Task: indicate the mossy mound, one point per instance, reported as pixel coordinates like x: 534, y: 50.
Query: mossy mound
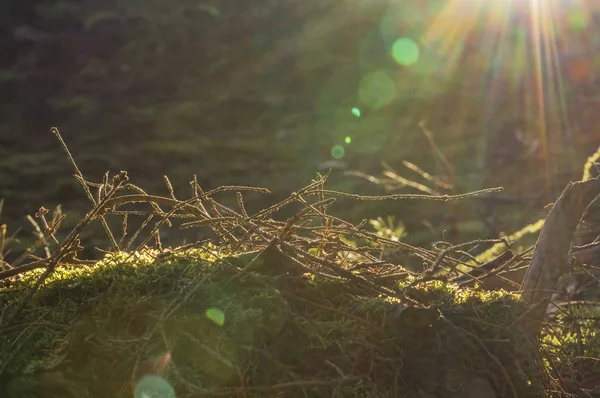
x: 189, y: 324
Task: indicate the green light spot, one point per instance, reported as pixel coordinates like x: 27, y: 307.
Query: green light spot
x: 347, y: 140
x: 356, y: 112
x: 153, y: 386
x: 337, y: 152
x: 578, y: 20
x: 405, y: 51
x: 216, y: 315
x: 377, y: 89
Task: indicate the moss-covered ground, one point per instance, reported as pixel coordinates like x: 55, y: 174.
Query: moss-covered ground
x: 201, y: 326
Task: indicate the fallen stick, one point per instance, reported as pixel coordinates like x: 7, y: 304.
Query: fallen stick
x: 551, y: 256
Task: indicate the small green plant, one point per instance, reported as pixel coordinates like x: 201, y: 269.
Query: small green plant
x: 388, y: 228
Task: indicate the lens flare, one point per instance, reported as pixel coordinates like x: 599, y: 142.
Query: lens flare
x: 337, y: 152
x: 377, y: 89
x: 216, y: 315
x: 152, y: 386
x: 405, y: 51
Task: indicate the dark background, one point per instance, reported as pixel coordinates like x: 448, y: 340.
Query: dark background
x: 259, y: 92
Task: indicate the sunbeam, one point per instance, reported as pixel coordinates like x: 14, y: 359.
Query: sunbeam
x: 535, y: 56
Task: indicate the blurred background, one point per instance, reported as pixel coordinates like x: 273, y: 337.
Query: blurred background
x: 268, y: 93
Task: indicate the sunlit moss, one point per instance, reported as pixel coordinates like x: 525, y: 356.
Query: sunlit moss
x: 590, y: 164
x: 213, y: 323
x: 573, y: 340
x: 498, y: 248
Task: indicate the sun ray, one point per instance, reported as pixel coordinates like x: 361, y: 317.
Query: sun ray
x: 558, y: 97
x: 452, y: 24
x: 537, y: 43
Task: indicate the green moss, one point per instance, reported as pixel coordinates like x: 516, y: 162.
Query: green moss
x: 522, y: 237
x: 203, y: 327
x: 588, y: 169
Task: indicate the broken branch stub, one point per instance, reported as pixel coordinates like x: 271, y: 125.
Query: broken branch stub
x: 551, y: 257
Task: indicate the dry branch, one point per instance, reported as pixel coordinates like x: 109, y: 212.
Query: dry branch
x: 551, y: 257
